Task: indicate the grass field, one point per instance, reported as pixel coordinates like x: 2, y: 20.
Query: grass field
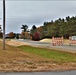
x: 11, y: 54
x: 27, y: 58
x: 50, y: 54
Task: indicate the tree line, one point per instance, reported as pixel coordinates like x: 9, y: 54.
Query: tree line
x: 61, y: 27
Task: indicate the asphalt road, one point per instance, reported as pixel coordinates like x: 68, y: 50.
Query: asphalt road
x: 65, y: 47
x: 42, y: 73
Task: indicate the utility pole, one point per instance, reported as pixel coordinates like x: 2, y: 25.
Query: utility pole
x: 3, y: 24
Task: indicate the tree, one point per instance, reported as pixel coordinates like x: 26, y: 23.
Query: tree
x: 36, y: 36
x: 24, y: 27
x: 11, y: 35
x: 60, y: 27
x: 33, y: 30
x: 41, y: 31
x: 16, y: 35
x: 67, y: 18
x: 23, y: 35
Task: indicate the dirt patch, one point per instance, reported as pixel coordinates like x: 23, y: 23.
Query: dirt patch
x: 15, y: 43
x: 46, y: 40
x: 24, y: 67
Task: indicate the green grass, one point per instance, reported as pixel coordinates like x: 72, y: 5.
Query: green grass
x: 56, y: 55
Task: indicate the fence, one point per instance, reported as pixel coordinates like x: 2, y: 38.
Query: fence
x: 57, y: 41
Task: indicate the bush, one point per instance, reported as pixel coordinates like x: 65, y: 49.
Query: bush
x: 36, y: 36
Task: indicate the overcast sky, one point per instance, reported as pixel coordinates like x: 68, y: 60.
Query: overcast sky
x: 35, y: 12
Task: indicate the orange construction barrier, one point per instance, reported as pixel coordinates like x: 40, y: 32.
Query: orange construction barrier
x: 57, y: 41
x: 72, y: 40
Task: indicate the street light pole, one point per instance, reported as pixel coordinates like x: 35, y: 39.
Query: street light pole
x: 3, y: 24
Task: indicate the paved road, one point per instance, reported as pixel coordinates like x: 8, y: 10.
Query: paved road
x: 42, y: 73
x: 49, y: 45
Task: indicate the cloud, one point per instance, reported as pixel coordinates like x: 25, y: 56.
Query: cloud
x: 36, y: 12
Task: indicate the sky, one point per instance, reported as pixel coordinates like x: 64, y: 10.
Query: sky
x: 35, y: 12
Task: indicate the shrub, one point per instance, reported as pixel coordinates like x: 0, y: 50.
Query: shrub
x: 36, y: 36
